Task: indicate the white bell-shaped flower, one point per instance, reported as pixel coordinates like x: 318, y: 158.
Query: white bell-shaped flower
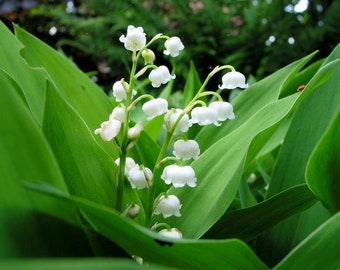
x: 118, y: 113
x: 155, y: 107
x: 232, y: 80
x: 171, y: 117
x: 108, y: 129
x: 179, y: 176
x: 119, y: 90
x: 171, y: 233
x: 173, y: 46
x: 139, y: 177
x: 186, y: 149
x: 135, y: 38
x: 160, y: 75
x: 204, y: 116
x: 134, y: 132
x: 168, y: 205
x: 129, y: 164
x: 224, y: 110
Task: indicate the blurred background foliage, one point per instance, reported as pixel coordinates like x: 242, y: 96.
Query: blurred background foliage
x: 256, y: 36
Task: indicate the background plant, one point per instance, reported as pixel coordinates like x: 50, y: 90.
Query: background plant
x: 268, y: 180
x: 215, y: 32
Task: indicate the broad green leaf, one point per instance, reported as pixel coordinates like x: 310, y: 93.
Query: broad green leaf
x: 323, y: 172
x: 319, y: 105
x: 88, y: 170
x: 75, y: 264
x: 320, y: 250
x: 219, y: 170
x: 247, y: 223
x: 86, y: 98
x: 251, y: 100
x: 25, y: 155
x: 31, y: 81
x: 142, y: 242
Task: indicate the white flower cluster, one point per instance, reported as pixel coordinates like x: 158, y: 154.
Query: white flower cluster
x: 177, y: 122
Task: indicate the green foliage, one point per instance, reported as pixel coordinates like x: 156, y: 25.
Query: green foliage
x: 57, y: 186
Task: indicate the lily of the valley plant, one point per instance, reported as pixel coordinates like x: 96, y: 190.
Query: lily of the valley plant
x: 124, y: 133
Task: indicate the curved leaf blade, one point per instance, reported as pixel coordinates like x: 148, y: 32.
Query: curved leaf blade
x: 247, y: 223
x: 323, y: 171
x: 311, y: 252
x: 88, y: 170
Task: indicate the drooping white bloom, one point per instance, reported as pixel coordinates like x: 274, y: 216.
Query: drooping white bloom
x: 172, y: 46
x: 179, y: 176
x: 155, y: 107
x: 119, y: 90
x: 160, y: 75
x: 171, y: 117
x: 186, y: 149
x: 134, y: 132
x: 224, y: 110
x: 148, y: 56
x: 135, y: 38
x: 168, y: 205
x: 129, y: 164
x: 118, y: 113
x: 204, y: 116
x: 108, y: 129
x: 171, y: 233
x: 139, y: 177
x: 232, y: 80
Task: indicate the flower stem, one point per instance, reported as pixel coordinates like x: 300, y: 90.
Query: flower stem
x: 153, y: 188
x: 124, y: 143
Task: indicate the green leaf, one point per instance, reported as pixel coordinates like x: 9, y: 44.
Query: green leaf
x: 31, y: 81
x: 25, y: 155
x: 319, y: 105
x: 192, y: 84
x: 320, y: 250
x: 247, y: 223
x: 86, y: 98
x: 75, y: 264
x: 323, y: 172
x: 88, y: 170
x: 142, y: 242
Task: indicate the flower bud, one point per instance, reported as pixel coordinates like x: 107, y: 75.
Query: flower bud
x: 232, y: 80
x: 171, y: 233
x: 148, y: 56
x: 179, y: 176
x: 186, y: 149
x: 172, y: 46
x: 119, y: 89
x: 108, y: 129
x: 132, y: 210
x: 168, y: 205
x: 134, y: 132
x: 160, y: 75
x: 118, y: 113
x: 204, y: 116
x: 155, y: 107
x: 135, y: 38
x: 224, y: 110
